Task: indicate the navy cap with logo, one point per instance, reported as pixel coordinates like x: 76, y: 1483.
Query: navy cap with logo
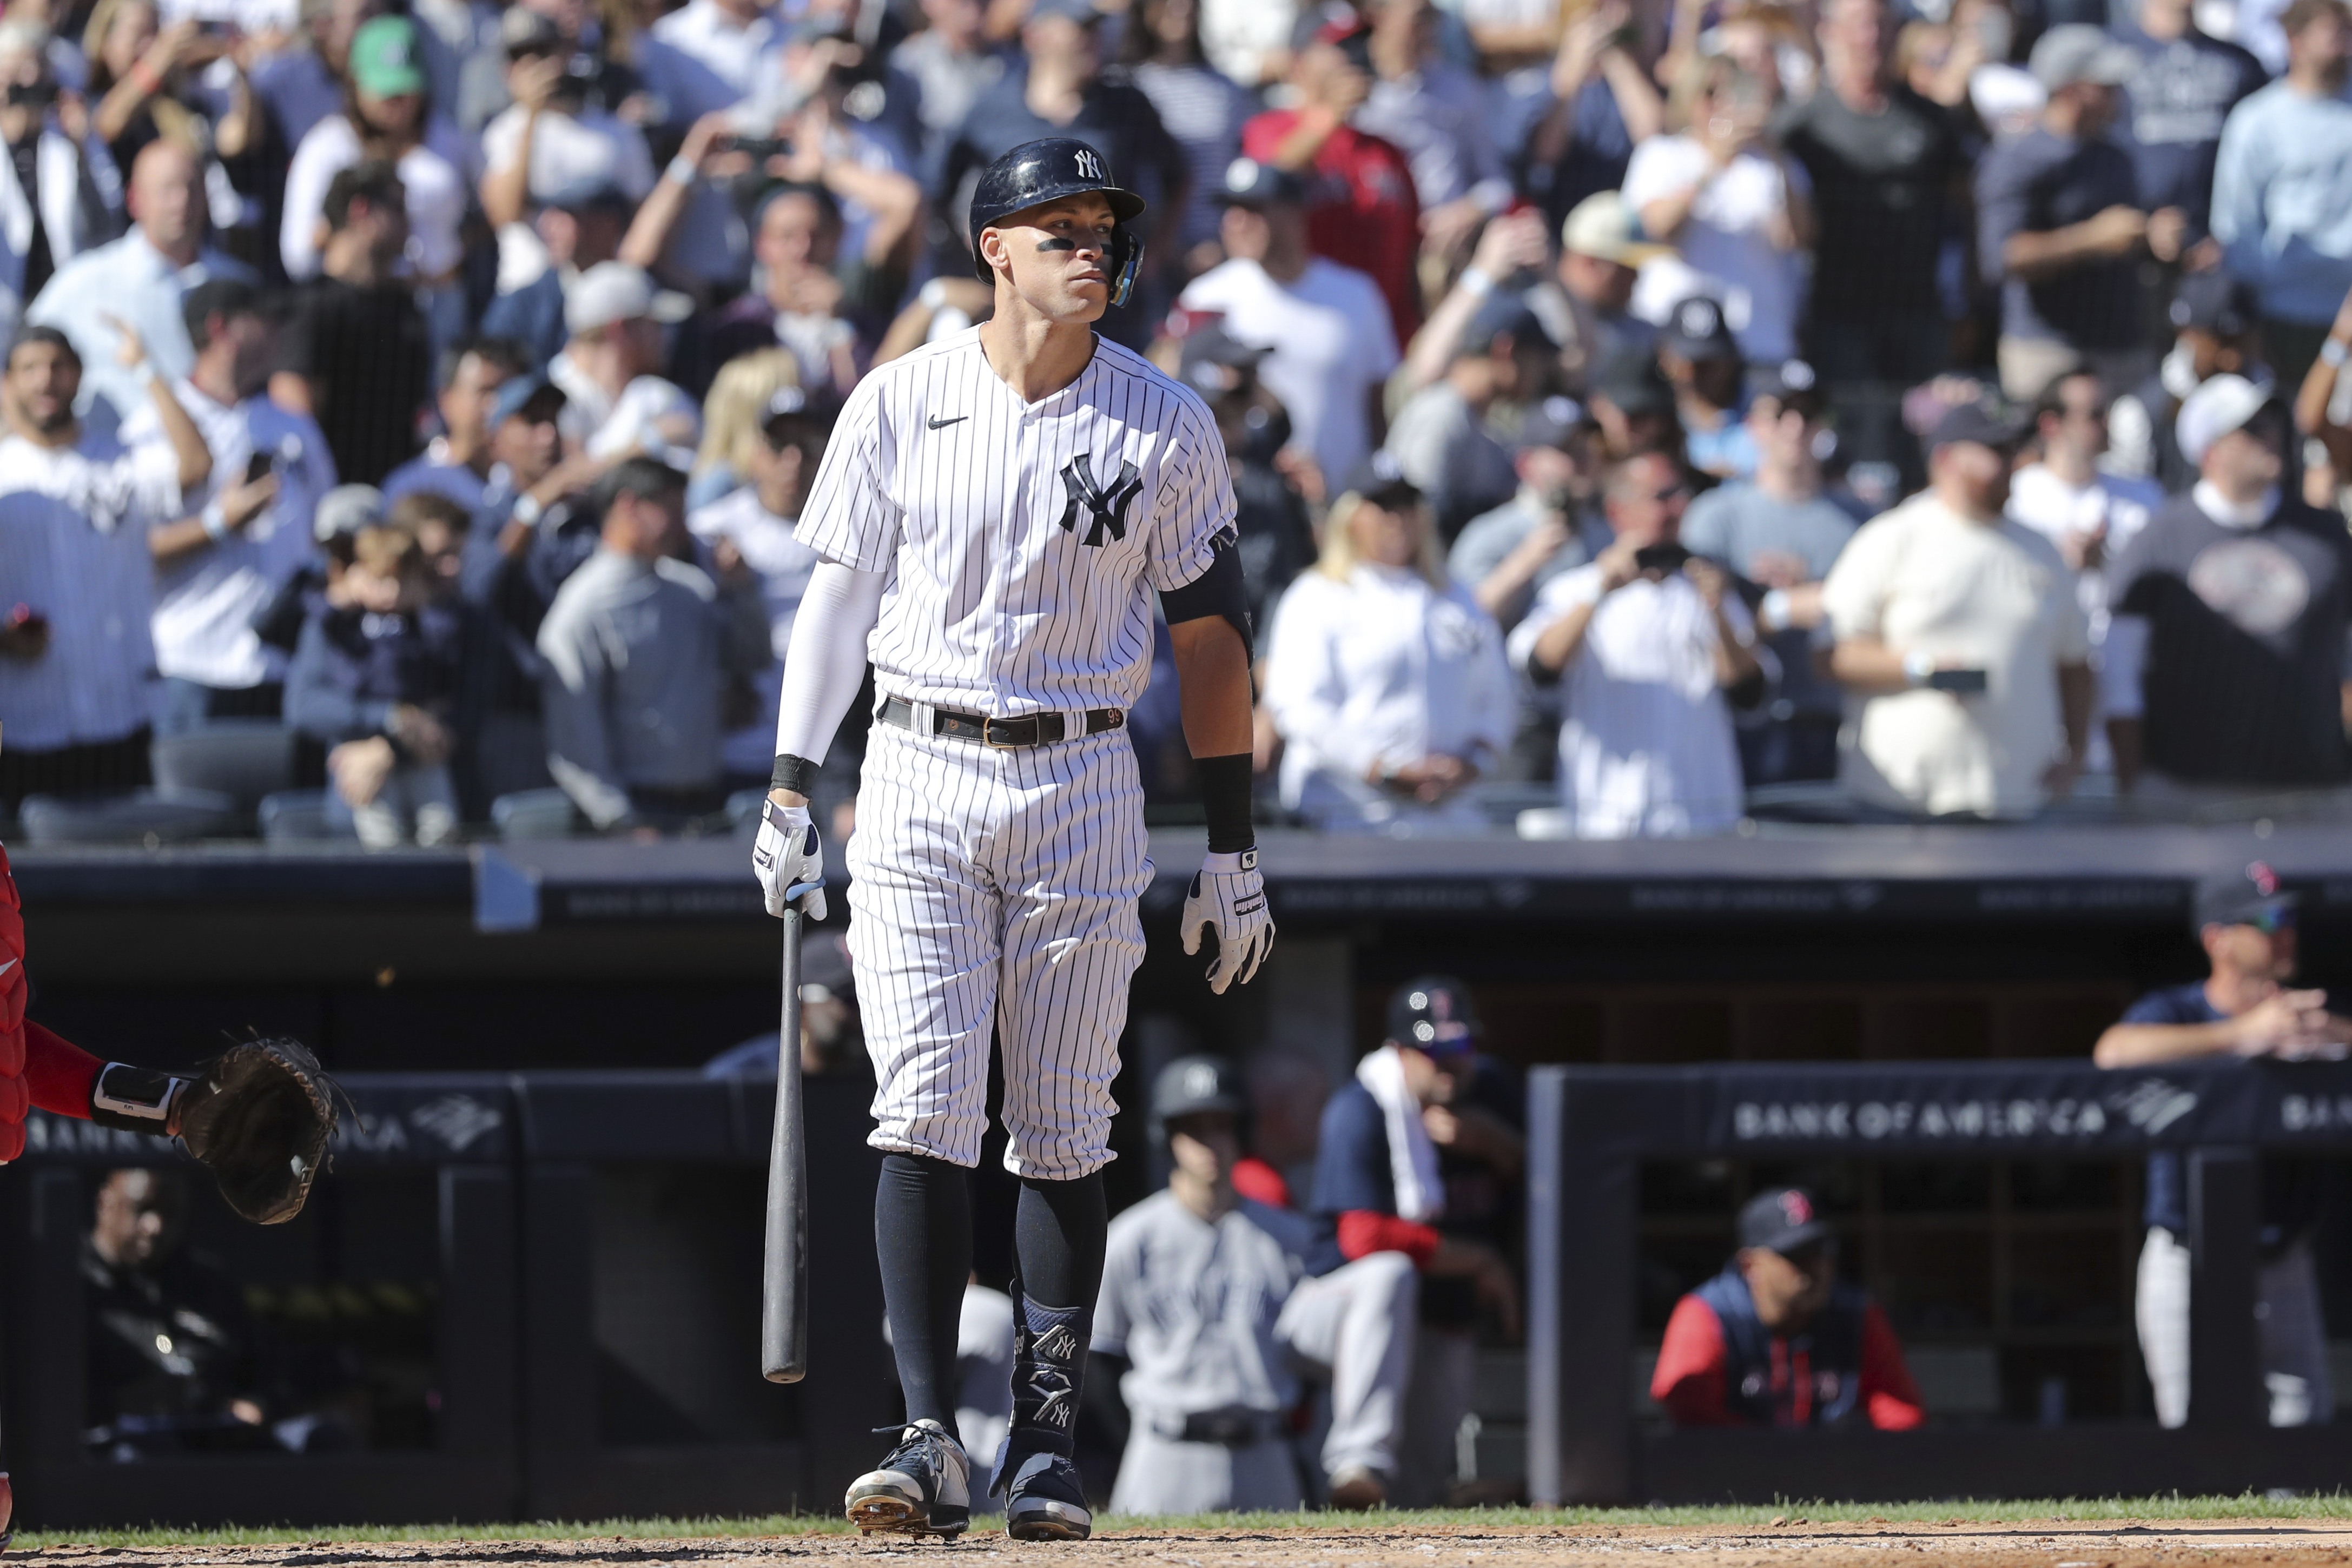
x: 1784, y: 1219
x: 1214, y: 360
x: 1250, y: 183
x: 1380, y: 478
x: 520, y: 392
x: 1433, y: 1014
x: 2213, y: 302
x: 1049, y: 170
x: 1504, y: 315
x: 790, y: 406
x: 1194, y: 1086
x: 1632, y: 383
x: 1696, y: 330
x: 1984, y: 421
x: 1555, y: 422
x: 1792, y: 385
x: 2249, y: 897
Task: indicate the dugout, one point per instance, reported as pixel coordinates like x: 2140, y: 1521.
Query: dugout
x: 383, y: 1322
x: 1599, y: 1137
x: 643, y: 1197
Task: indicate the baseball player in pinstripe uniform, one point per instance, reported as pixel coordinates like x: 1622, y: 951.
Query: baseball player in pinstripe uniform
x: 992, y: 515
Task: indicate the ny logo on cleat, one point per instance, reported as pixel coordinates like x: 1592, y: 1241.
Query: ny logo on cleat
x: 1054, y: 1410
x: 1057, y: 1344
x: 1106, y: 508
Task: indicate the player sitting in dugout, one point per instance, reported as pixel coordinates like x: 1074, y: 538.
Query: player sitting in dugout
x: 1778, y: 1340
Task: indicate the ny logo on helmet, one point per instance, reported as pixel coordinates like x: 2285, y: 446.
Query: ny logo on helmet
x: 1106, y: 508
x: 1089, y: 166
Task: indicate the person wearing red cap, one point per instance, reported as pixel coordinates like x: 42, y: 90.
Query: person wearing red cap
x: 1778, y: 1340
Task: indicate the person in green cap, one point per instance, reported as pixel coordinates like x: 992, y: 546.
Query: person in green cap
x: 387, y: 114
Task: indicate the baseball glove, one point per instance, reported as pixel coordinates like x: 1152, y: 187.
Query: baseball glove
x: 261, y: 1117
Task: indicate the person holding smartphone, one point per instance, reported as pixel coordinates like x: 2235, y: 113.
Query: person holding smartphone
x: 1959, y: 629
x: 1650, y: 641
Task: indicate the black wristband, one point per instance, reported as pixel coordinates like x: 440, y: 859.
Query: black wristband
x: 1226, y: 794
x: 132, y: 1099
x: 793, y: 773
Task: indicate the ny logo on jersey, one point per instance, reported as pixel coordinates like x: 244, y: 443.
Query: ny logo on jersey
x: 1106, y: 508
x: 1089, y: 166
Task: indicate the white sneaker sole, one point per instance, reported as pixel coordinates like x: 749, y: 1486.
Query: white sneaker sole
x: 880, y: 1504
x: 1042, y: 1518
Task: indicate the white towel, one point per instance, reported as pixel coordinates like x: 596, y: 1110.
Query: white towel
x: 1413, y: 1158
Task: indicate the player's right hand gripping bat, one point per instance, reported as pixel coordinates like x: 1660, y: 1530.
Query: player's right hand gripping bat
x: 783, y: 1280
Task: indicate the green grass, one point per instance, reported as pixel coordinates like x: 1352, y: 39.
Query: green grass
x: 2336, y: 1505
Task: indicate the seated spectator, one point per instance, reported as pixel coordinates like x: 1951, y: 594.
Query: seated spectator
x: 552, y: 138
x: 1440, y: 440
x: 637, y: 653
x: 73, y: 200
x: 1364, y: 214
x: 1322, y: 325
x: 1736, y: 209
x: 1881, y: 161
x: 457, y: 463
x: 1200, y: 110
x: 2060, y: 226
x: 2242, y: 1010
x: 1701, y: 360
x: 1955, y: 630
x: 616, y: 401
x: 1386, y: 684
x: 2217, y: 332
x: 138, y: 278
x: 2279, y: 178
x: 2065, y: 495
x: 828, y: 309
x: 2224, y: 661
x: 1647, y: 638
x: 388, y: 116
x: 1437, y: 112
x: 1424, y: 1098
x: 1277, y: 542
x: 1778, y: 1340
x: 239, y: 537
x: 1779, y: 535
x: 358, y: 356
x: 1506, y: 557
x: 375, y: 680
x: 1206, y: 1296
x: 75, y: 509
x: 749, y: 533
x: 1587, y: 306
x: 579, y: 226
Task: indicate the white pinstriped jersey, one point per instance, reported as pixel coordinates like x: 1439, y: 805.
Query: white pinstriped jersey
x: 1021, y: 537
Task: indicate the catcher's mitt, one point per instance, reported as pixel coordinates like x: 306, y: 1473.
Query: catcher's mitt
x: 261, y: 1117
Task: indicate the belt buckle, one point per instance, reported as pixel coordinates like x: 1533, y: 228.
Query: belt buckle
x: 988, y: 737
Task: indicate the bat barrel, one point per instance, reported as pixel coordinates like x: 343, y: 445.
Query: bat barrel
x: 784, y: 1296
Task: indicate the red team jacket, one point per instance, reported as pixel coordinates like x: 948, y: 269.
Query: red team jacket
x: 1712, y: 1373
x: 36, y: 1067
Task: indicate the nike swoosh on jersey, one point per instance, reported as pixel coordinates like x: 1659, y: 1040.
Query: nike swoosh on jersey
x: 937, y: 423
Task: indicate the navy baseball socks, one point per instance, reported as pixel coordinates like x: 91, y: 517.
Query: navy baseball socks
x: 922, y: 1236
x: 1044, y: 1500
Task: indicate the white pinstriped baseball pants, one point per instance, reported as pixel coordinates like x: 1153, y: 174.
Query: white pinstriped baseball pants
x: 997, y: 887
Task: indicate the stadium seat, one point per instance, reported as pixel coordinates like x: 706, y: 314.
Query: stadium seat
x: 535, y: 814
x: 150, y: 817
x: 243, y: 758
x: 298, y: 816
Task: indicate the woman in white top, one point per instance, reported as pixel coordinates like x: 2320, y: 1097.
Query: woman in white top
x: 1385, y: 681
x: 1737, y: 210
x: 387, y: 114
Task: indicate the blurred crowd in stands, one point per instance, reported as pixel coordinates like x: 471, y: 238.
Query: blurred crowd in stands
x: 1642, y: 419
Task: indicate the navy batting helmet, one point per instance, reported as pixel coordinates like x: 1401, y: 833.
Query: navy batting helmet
x: 1047, y: 170
x: 1191, y: 1085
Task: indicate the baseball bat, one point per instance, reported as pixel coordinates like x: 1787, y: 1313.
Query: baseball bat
x: 783, y: 1280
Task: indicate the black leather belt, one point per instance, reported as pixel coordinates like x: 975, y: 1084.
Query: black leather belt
x: 1037, y: 729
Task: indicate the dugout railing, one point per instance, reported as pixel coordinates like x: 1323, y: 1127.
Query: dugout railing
x: 565, y: 1266
x: 1593, y: 1130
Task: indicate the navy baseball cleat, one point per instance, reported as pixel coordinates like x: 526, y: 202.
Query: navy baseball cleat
x: 924, y: 1488
x: 1044, y: 1501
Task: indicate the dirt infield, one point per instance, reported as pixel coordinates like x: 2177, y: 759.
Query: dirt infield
x: 1829, y: 1543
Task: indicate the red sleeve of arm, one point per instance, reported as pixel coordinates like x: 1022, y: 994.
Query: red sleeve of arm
x: 59, y: 1074
x: 1689, y: 1379
x: 1363, y: 1233
x: 1887, y: 1391
x: 1260, y: 1182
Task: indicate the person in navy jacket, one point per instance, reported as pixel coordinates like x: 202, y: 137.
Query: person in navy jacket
x: 1778, y: 1340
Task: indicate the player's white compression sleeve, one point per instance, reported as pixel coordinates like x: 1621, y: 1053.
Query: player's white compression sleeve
x: 826, y: 661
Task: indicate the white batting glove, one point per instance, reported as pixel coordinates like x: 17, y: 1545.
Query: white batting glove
x: 1228, y: 893
x: 788, y: 860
